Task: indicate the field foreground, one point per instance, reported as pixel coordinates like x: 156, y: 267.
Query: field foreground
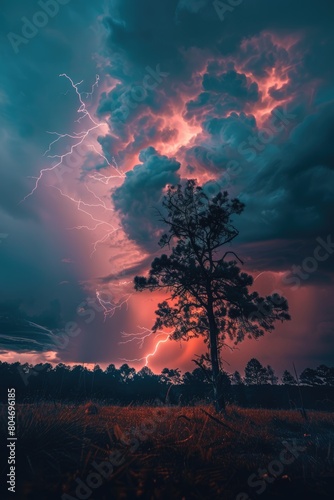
x: 81, y: 452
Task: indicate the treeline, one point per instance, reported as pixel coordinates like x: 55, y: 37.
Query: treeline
x: 256, y: 374
x: 259, y: 386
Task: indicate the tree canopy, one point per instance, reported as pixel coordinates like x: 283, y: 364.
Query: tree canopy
x: 208, y: 293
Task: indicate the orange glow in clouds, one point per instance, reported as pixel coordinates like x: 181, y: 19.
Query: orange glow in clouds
x: 186, y: 136
x: 276, y: 79
x: 101, y: 247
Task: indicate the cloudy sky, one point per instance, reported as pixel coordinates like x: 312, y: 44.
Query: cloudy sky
x: 105, y: 103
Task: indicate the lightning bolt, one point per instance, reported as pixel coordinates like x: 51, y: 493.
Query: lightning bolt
x: 103, y: 178
x: 79, y: 137
x: 263, y: 272
x: 140, y: 337
x: 279, y: 273
x: 95, y: 84
x: 82, y: 206
x: 109, y: 307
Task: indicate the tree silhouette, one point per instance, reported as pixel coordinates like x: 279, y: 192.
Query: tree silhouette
x: 310, y: 377
x: 255, y: 373
x: 126, y: 373
x: 326, y: 374
x: 79, y: 385
x: 209, y: 294
x: 272, y: 378
x: 236, y: 378
x: 288, y: 378
x: 173, y: 376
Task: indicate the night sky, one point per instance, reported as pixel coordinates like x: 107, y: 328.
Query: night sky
x: 154, y: 93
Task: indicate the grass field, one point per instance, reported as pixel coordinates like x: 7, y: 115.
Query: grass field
x: 171, y: 453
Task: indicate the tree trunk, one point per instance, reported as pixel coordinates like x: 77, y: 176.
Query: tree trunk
x: 218, y: 393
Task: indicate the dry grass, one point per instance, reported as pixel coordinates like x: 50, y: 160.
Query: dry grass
x: 188, y: 455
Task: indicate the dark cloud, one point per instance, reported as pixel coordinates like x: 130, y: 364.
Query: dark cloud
x: 284, y: 178
x: 140, y: 195
x: 224, y: 77
x: 306, y: 262
x: 21, y: 332
x: 292, y: 196
x: 35, y: 100
x: 232, y: 84
x: 138, y: 268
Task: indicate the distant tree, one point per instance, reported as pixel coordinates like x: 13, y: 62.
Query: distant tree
x: 42, y: 367
x: 61, y: 368
x: 237, y: 379
x: 255, y: 373
x: 326, y: 374
x: 96, y: 378
x: 77, y: 369
x: 209, y: 294
x: 288, y: 378
x: 145, y: 372
x: 112, y: 373
x: 126, y: 373
x: 97, y: 370
x: 273, y: 380
x: 187, y: 378
x: 196, y: 378
x: 173, y: 376
x: 310, y: 377
x: 147, y: 384
x: 197, y: 384
x: 111, y: 369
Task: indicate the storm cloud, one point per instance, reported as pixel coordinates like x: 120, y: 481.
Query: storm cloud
x: 244, y: 104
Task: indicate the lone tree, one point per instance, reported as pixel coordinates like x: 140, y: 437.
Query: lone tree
x: 255, y: 373
x: 209, y: 294
x: 288, y: 378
